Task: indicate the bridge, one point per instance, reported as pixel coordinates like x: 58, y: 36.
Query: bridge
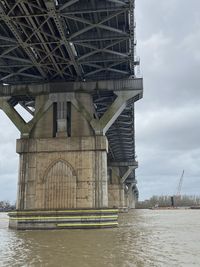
x: 71, y: 65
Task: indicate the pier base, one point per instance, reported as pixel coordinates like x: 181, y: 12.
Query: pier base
x: 63, y: 219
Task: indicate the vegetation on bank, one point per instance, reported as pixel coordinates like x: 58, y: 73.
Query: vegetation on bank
x: 154, y: 201
x: 5, y: 205
x: 165, y: 201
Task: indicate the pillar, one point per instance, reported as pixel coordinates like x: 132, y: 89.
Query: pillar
x: 116, y: 189
x: 63, y: 180
x: 63, y: 169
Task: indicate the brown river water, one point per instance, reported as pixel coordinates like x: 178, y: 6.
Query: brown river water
x: 144, y: 238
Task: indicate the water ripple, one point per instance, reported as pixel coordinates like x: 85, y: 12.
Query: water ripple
x: 145, y: 238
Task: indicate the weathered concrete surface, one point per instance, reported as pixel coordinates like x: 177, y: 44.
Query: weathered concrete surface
x: 59, y: 173
x: 131, y: 198
x: 62, y: 172
x: 116, y: 190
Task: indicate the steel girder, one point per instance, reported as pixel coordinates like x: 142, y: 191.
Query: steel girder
x: 47, y: 40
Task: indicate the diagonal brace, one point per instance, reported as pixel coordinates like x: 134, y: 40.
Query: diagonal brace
x: 127, y: 173
x: 40, y: 113
x: 14, y: 116
x: 101, y: 126
x: 24, y: 127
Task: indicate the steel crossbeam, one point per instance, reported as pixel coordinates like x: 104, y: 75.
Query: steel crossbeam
x: 67, y: 40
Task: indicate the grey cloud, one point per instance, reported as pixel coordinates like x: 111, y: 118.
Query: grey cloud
x: 167, y: 119
x: 167, y: 185
x: 169, y: 129
x: 168, y: 45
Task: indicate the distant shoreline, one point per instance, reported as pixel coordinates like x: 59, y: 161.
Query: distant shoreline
x: 6, y: 210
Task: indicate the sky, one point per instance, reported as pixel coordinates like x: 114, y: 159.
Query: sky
x: 167, y: 118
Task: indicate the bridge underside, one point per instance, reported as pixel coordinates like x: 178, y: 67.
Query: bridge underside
x: 71, y: 65
x: 47, y: 40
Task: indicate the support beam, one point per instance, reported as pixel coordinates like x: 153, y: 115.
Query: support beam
x: 38, y: 115
x: 14, y: 116
x: 118, y: 2
x: 123, y: 163
x: 101, y: 126
x: 19, y: 39
x: 52, y: 11
x: 127, y: 173
x: 24, y: 127
x: 87, y: 87
x: 69, y: 3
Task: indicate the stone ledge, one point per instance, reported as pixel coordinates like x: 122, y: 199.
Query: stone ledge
x: 90, y: 143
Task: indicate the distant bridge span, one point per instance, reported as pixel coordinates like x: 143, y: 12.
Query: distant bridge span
x: 71, y: 65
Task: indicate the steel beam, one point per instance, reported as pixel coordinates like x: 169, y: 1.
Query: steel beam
x: 127, y: 173
x: 89, y: 87
x: 122, y: 163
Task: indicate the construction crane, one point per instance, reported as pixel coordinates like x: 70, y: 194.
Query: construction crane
x: 178, y: 193
x: 180, y: 185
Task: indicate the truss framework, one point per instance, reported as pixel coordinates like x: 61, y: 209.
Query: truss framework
x: 47, y: 40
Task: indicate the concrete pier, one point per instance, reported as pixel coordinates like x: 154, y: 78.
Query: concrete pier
x: 64, y: 165
x: 72, y: 67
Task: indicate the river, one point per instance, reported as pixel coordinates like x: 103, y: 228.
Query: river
x: 144, y: 238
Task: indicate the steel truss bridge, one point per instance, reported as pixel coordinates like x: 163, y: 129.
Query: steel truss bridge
x: 80, y: 41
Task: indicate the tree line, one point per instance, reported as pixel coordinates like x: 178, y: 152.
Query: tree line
x: 165, y: 201
x: 6, y: 205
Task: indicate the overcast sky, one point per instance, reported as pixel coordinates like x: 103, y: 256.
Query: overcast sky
x: 167, y: 119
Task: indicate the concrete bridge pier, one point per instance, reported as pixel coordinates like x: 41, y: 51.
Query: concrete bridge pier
x: 120, y: 193
x: 63, y: 150
x: 116, y: 189
x: 62, y: 163
x: 131, y: 196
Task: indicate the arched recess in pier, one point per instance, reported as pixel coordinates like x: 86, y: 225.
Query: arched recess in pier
x: 59, y: 183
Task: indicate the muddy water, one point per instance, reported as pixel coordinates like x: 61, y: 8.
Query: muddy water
x: 144, y: 238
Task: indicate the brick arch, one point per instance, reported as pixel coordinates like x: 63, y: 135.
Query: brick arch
x: 59, y: 184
